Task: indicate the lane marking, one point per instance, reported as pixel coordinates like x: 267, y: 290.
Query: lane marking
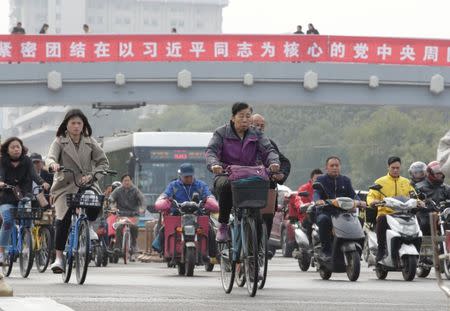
x: 31, y: 304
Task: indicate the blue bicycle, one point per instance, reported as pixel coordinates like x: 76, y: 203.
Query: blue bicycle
x: 245, y: 228
x: 78, y: 247
x: 21, y: 242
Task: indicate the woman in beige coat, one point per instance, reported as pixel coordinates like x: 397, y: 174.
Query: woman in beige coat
x: 75, y: 149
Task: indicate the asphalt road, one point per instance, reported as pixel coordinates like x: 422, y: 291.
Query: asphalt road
x: 152, y: 286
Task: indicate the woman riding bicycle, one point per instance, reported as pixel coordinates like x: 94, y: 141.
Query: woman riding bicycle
x: 75, y: 149
x: 236, y: 143
x: 16, y: 170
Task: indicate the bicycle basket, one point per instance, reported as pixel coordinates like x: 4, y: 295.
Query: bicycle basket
x: 87, y: 199
x: 27, y: 211
x: 250, y: 193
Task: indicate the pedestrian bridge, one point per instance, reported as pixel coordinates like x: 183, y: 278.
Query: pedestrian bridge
x: 194, y: 69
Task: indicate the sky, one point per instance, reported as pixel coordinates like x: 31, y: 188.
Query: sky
x: 386, y: 18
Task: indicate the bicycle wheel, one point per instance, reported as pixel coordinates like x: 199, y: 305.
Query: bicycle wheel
x: 68, y: 264
x: 250, y: 245
x: 26, y: 255
x: 82, y: 257
x: 8, y: 263
x: 227, y: 266
x: 263, y: 259
x: 42, y: 257
x: 126, y: 247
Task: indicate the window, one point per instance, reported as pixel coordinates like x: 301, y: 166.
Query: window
x: 118, y: 20
x: 127, y: 20
x: 91, y: 20
x: 99, y: 19
x: 58, y: 30
x: 146, y: 21
x: 173, y: 23
x: 154, y: 22
x: 58, y: 16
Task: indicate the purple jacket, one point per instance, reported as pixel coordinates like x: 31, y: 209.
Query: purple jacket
x: 226, y: 148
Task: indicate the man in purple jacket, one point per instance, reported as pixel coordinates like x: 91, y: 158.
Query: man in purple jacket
x: 236, y: 144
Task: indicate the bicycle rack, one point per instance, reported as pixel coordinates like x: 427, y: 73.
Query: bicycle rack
x: 436, y: 256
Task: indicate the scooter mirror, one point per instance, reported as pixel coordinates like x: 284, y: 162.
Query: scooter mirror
x: 376, y: 187
x: 317, y: 186
x: 303, y: 194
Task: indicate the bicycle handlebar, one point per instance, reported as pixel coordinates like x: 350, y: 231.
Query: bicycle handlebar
x: 94, y: 177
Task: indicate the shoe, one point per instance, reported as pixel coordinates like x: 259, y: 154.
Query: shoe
x: 260, y: 275
x: 269, y: 255
x: 222, y: 233
x: 325, y: 257
x: 92, y: 234
x: 57, y: 267
x: 380, y: 255
x: 2, y: 259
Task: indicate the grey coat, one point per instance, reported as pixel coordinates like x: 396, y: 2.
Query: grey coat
x: 88, y: 159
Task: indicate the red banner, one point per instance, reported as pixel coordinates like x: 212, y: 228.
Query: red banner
x: 235, y: 48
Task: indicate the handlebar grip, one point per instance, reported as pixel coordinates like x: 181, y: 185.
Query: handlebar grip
x: 111, y: 172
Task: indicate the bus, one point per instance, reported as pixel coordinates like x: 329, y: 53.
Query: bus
x: 153, y: 158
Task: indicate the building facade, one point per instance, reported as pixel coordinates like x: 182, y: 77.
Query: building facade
x: 119, y: 16
x: 37, y: 125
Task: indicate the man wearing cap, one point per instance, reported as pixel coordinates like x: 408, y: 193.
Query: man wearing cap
x: 183, y: 190
x: 393, y: 185
x: 36, y: 158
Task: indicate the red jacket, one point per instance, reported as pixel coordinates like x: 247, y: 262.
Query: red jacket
x: 307, y: 187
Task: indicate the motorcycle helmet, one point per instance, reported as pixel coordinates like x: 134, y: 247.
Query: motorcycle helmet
x: 435, y: 174
x: 417, y: 171
x: 115, y: 185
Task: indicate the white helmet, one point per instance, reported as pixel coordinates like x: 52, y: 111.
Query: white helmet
x: 417, y: 171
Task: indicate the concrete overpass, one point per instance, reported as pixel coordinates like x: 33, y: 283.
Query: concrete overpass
x: 277, y: 83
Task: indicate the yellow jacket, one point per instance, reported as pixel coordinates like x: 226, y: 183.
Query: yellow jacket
x: 391, y: 187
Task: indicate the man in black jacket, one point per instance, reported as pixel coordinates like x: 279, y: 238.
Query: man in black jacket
x: 38, y: 163
x: 258, y: 122
x: 334, y: 185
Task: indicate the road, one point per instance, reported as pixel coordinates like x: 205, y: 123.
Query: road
x: 152, y: 286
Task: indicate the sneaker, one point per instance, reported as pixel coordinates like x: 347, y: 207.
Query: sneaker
x: 92, y: 234
x: 381, y: 253
x: 222, y: 233
x: 57, y: 267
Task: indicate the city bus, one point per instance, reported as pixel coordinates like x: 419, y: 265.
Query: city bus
x: 153, y: 158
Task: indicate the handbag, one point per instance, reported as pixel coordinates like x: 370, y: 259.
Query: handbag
x: 17, y: 193
x: 240, y: 172
x: 42, y: 200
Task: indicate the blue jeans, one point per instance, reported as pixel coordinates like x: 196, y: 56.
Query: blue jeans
x: 8, y: 223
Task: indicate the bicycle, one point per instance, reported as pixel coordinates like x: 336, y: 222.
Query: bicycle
x: 43, y: 236
x: 249, y: 195
x: 123, y: 218
x: 78, y: 247
x: 21, y: 243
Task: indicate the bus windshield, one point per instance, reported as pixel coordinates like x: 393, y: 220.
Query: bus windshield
x: 152, y: 178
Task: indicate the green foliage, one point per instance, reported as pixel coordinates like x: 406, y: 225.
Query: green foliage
x: 363, y: 137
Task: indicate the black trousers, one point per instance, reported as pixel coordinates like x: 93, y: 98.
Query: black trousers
x: 222, y: 189
x: 63, y: 226
x: 382, y: 227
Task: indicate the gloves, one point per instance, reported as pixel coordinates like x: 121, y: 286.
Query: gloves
x: 211, y: 205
